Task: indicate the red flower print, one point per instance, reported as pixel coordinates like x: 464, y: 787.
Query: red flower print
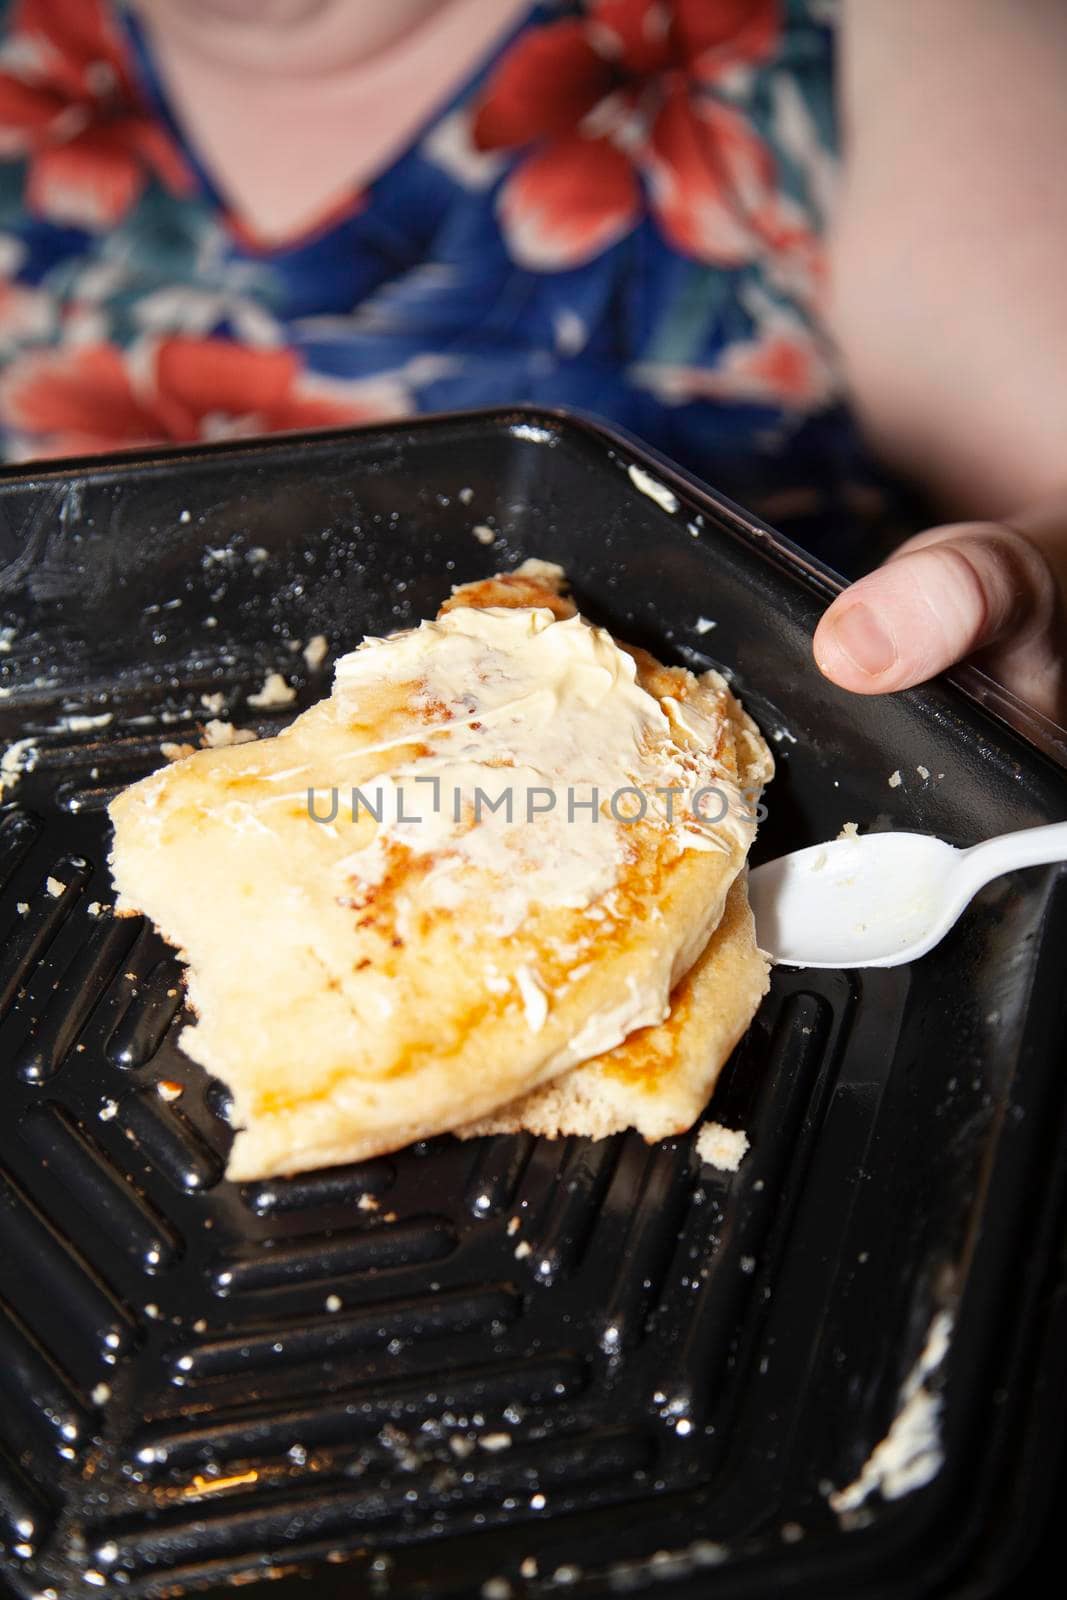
x: 719, y: 36
x: 621, y: 111
x: 708, y: 175
x: 783, y: 367
x: 544, y: 86
x: 569, y: 201
x: 86, y: 398
x: 69, y: 105
x: 705, y: 37
x: 783, y: 364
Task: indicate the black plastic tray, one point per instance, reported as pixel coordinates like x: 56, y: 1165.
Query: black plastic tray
x: 660, y: 1395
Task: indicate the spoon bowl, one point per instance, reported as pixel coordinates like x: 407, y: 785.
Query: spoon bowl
x: 883, y: 898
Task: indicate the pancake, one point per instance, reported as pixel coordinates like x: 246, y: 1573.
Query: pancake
x: 660, y: 1079
x: 391, y: 968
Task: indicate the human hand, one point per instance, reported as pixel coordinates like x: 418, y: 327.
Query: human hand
x: 981, y: 590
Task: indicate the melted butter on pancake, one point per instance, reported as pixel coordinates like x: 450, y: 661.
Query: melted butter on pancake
x: 526, y: 719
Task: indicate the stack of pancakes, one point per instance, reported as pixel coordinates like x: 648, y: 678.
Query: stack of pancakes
x: 470, y: 891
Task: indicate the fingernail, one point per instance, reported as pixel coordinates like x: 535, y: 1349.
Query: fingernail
x: 860, y: 635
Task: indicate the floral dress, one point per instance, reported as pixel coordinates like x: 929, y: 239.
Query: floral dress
x: 622, y: 212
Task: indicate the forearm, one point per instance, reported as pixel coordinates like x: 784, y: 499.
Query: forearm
x: 948, y: 251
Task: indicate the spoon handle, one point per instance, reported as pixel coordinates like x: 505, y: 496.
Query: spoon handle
x: 1030, y: 847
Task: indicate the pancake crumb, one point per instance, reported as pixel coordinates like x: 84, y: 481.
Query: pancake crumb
x: 721, y: 1147
x: 219, y: 734
x: 316, y: 651
x: 54, y: 887
x: 849, y: 830
x: 895, y: 780
x: 79, y: 723
x: 275, y: 692
x: 650, y: 486
x: 20, y: 757
x: 213, y: 702
x: 482, y: 533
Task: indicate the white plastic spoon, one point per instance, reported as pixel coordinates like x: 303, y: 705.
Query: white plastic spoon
x: 883, y: 898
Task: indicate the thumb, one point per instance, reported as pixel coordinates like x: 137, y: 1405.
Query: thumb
x: 947, y: 593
